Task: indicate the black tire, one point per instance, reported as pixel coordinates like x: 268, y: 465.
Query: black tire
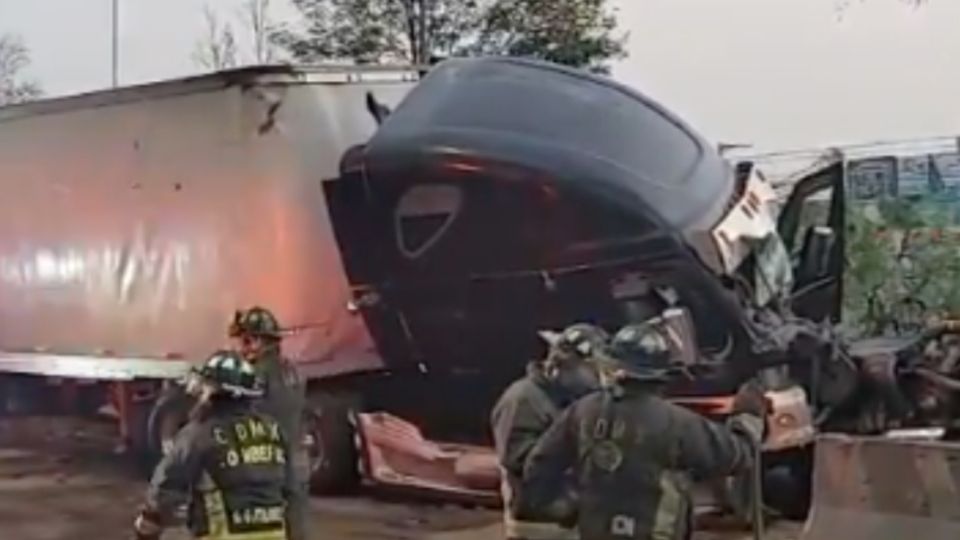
x: 144, y: 458
x: 788, y: 486
x: 169, y: 413
x: 90, y: 398
x: 6, y: 390
x: 329, y: 427
x: 25, y: 395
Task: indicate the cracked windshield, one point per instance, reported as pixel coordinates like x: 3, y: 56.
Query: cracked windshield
x: 479, y: 269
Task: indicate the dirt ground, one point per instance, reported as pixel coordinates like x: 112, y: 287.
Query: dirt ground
x: 60, y: 480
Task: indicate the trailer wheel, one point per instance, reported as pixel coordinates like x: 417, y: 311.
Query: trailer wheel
x: 24, y: 395
x: 170, y: 413
x: 329, y: 436
x: 144, y: 458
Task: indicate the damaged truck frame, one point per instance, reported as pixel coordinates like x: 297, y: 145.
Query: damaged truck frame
x: 417, y: 235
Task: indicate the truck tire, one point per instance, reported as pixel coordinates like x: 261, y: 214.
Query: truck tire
x: 329, y: 431
x: 144, y: 457
x: 24, y: 395
x: 90, y: 398
x: 169, y: 413
x: 788, y: 487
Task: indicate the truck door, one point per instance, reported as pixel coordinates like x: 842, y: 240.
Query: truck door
x: 811, y: 224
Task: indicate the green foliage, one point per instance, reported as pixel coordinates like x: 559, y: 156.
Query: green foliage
x: 579, y: 33
x: 903, y: 264
x: 378, y: 31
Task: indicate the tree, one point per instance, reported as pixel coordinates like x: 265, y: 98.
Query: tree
x: 255, y: 14
x: 902, y: 265
x: 375, y: 31
x: 573, y: 32
x: 14, y: 58
x: 578, y: 33
x: 217, y: 49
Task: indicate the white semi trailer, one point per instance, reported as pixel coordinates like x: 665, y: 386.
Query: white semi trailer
x: 133, y: 222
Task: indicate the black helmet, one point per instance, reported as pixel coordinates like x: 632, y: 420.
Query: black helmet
x: 230, y: 374
x: 255, y: 322
x: 578, y: 341
x: 642, y: 351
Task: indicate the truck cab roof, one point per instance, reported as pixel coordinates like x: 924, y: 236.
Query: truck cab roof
x: 586, y: 131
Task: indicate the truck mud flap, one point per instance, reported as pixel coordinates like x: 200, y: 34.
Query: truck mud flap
x: 878, y: 488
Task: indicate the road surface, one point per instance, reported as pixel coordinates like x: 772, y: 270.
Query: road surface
x: 60, y: 480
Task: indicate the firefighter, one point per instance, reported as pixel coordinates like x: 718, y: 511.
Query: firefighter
x: 530, y: 405
x: 634, y: 454
x: 228, y: 464
x: 259, y: 335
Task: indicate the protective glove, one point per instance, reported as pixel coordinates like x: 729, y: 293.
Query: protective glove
x: 561, y: 509
x: 750, y: 399
x: 565, y: 509
x: 749, y: 425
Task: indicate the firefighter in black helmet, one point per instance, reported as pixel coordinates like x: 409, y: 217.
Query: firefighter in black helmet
x: 259, y: 335
x: 229, y: 463
x: 635, y: 454
x: 529, y: 406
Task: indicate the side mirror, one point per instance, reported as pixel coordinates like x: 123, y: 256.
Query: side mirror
x: 818, y: 245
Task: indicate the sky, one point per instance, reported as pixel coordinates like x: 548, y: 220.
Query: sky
x: 772, y: 73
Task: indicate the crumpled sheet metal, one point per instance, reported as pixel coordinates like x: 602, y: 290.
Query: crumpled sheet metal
x: 877, y: 488
x: 395, y: 456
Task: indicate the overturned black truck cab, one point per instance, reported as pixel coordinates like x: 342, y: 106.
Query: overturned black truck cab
x: 506, y: 196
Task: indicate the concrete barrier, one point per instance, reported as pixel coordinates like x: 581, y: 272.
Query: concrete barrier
x: 876, y: 488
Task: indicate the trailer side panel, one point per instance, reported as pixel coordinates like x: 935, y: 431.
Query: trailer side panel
x: 133, y: 230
